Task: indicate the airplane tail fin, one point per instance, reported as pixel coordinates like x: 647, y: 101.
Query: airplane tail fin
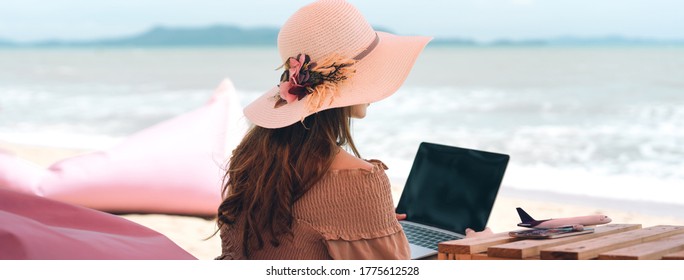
x: 524, y: 217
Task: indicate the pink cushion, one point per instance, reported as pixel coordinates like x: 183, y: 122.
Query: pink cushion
x: 173, y: 167
x: 33, y: 227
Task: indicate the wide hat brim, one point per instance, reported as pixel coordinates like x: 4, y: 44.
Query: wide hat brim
x: 378, y: 75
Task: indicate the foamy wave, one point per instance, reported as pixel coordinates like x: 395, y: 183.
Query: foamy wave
x: 556, y: 142
x: 110, y: 110
x: 623, y: 151
x: 596, y: 183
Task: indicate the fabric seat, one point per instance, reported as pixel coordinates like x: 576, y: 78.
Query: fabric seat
x: 33, y: 227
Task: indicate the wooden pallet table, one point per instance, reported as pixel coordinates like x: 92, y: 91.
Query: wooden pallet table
x: 610, y: 242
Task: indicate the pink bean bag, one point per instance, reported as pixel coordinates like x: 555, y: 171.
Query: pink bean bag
x: 37, y: 228
x: 174, y: 167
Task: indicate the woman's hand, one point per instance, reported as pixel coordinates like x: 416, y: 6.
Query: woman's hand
x: 470, y: 233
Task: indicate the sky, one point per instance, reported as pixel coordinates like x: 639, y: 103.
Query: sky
x: 483, y: 20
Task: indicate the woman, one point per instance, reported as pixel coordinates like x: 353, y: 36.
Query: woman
x: 291, y: 190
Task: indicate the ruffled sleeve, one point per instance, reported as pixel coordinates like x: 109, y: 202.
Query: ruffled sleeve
x: 354, y: 213
x: 391, y: 247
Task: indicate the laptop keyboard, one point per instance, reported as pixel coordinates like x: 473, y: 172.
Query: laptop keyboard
x: 426, y: 237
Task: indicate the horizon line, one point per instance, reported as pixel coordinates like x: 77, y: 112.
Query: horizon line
x: 439, y: 39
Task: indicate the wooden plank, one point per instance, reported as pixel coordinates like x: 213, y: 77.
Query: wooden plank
x: 674, y: 256
x: 654, y: 250
x: 590, y: 249
x: 483, y: 256
x: 441, y: 256
x: 530, y: 248
x: 473, y: 245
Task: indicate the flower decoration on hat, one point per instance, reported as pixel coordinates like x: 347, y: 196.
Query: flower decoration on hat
x: 318, y: 80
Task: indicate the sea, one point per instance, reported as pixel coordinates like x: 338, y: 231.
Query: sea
x: 601, y: 124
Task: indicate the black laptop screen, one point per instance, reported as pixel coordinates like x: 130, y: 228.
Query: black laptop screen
x: 452, y: 188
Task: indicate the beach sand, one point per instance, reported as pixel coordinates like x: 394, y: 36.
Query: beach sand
x: 194, y: 234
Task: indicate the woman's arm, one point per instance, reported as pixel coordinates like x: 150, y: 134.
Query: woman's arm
x: 470, y: 233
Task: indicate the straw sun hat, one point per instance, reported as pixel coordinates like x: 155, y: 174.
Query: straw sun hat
x: 333, y: 58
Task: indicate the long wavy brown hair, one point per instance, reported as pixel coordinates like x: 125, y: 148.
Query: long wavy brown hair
x: 272, y: 168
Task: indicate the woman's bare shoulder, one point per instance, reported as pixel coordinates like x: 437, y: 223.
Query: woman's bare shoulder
x: 344, y: 160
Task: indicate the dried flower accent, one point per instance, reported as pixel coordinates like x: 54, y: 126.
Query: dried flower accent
x: 318, y: 80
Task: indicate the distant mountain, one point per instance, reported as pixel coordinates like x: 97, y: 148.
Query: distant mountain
x: 584, y: 41
x: 224, y: 35
x: 612, y: 40
x: 453, y: 42
x: 217, y: 35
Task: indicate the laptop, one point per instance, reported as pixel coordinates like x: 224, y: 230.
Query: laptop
x: 448, y: 190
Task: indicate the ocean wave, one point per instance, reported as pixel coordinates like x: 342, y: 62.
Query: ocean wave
x: 558, y: 140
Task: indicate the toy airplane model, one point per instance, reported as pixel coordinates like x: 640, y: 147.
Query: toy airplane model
x: 577, y: 223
